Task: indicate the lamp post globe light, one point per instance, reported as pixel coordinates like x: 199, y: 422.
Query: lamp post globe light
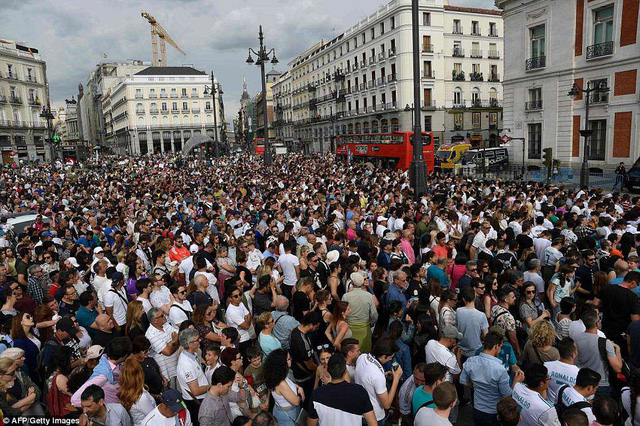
x: 263, y: 55
x: 214, y: 89
x: 587, y: 132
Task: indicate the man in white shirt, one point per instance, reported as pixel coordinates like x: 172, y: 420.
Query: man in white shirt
x: 578, y: 396
x: 180, y: 310
x: 101, y: 283
x: 170, y: 413
x: 382, y: 226
x: 480, y: 239
x: 290, y: 268
x: 115, y: 300
x: 144, y: 288
x: 531, y: 397
x: 440, y: 351
x: 192, y: 382
x: 541, y: 243
x: 160, y: 296
x: 164, y: 344
x: 370, y: 375
x: 187, y: 264
x: 564, y: 371
x: 238, y: 316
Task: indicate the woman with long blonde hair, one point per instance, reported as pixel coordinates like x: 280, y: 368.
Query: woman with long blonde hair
x: 132, y: 394
x: 133, y: 326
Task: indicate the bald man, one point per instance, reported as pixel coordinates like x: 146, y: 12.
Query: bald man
x: 105, y: 333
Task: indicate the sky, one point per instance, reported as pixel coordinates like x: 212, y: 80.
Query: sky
x: 73, y: 35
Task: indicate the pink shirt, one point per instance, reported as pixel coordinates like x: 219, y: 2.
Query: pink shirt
x: 110, y: 390
x: 408, y: 251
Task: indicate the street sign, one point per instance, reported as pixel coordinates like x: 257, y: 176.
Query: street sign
x: 505, y: 139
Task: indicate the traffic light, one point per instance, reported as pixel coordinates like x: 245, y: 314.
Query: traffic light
x: 548, y: 160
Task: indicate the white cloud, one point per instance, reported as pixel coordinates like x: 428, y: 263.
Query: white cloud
x: 73, y: 35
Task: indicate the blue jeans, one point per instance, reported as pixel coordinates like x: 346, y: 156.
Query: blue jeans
x: 286, y: 417
x: 482, y: 419
x: 619, y: 181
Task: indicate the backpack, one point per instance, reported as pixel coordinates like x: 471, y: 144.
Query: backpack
x: 561, y: 408
x: 39, y: 359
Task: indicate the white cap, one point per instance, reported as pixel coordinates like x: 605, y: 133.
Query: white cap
x: 332, y: 256
x: 193, y: 248
x: 357, y: 278
x: 74, y: 262
x: 381, y: 218
x: 98, y: 250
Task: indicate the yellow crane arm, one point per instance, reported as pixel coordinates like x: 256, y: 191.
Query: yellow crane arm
x: 163, y: 34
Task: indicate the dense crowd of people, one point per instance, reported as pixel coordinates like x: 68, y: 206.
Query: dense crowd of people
x: 169, y: 290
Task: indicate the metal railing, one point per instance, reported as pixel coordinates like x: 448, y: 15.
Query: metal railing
x: 456, y: 30
x: 600, y: 49
x: 163, y: 95
x: 391, y: 78
x: 23, y: 124
x: 458, y: 52
x: 174, y: 95
x: 152, y: 96
x: 493, y: 54
x: 533, y: 105
x: 15, y: 100
x: 494, y: 78
x: 536, y: 63
x: 139, y: 111
x: 154, y: 111
x: 476, y: 53
x: 427, y: 48
x: 429, y: 74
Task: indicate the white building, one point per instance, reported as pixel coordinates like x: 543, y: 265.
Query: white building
x: 549, y: 46
x: 362, y: 80
x: 23, y: 93
x: 159, y: 109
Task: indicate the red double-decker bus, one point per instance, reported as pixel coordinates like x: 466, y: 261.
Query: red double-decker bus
x: 258, y: 144
x: 385, y: 149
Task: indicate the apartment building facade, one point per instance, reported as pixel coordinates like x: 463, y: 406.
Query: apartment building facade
x: 550, y: 46
x: 158, y: 109
x: 362, y: 80
x: 23, y: 93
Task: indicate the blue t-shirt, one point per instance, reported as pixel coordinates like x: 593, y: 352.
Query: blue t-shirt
x: 471, y: 322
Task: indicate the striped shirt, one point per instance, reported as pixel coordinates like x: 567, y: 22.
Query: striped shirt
x: 159, y: 340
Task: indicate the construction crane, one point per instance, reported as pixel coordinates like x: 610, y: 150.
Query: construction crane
x: 158, y: 32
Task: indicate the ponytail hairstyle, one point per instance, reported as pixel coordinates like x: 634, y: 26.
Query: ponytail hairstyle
x: 562, y: 274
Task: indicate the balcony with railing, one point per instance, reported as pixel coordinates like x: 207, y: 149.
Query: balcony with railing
x: 363, y: 64
x: 363, y: 86
x: 139, y: 96
x: 195, y: 110
x: 456, y: 104
x: 457, y: 30
x: 493, y: 54
x: 599, y: 50
x: 163, y: 95
x: 429, y: 74
x: 338, y: 75
x: 175, y: 110
x: 372, y: 60
x: 428, y: 105
x: 35, y: 102
x: 371, y: 84
x: 380, y: 81
x: 14, y: 99
x: 476, y: 76
x: 174, y: 95
x: 184, y: 110
x: 152, y: 96
x: 476, y: 53
x: 458, y: 52
x: 494, y: 78
x: 354, y: 67
x: 427, y: 48
x: 381, y: 57
x: 194, y: 95
x: 536, y: 63
x: 184, y: 95
x: 493, y: 34
x: 164, y: 111
x: 494, y: 103
x: 12, y: 76
x: 457, y: 75
x: 533, y: 105
x: 140, y: 111
x: 391, y: 53
x: 31, y: 79
x: 392, y: 78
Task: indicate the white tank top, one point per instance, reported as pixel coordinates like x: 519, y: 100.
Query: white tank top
x: 281, y: 400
